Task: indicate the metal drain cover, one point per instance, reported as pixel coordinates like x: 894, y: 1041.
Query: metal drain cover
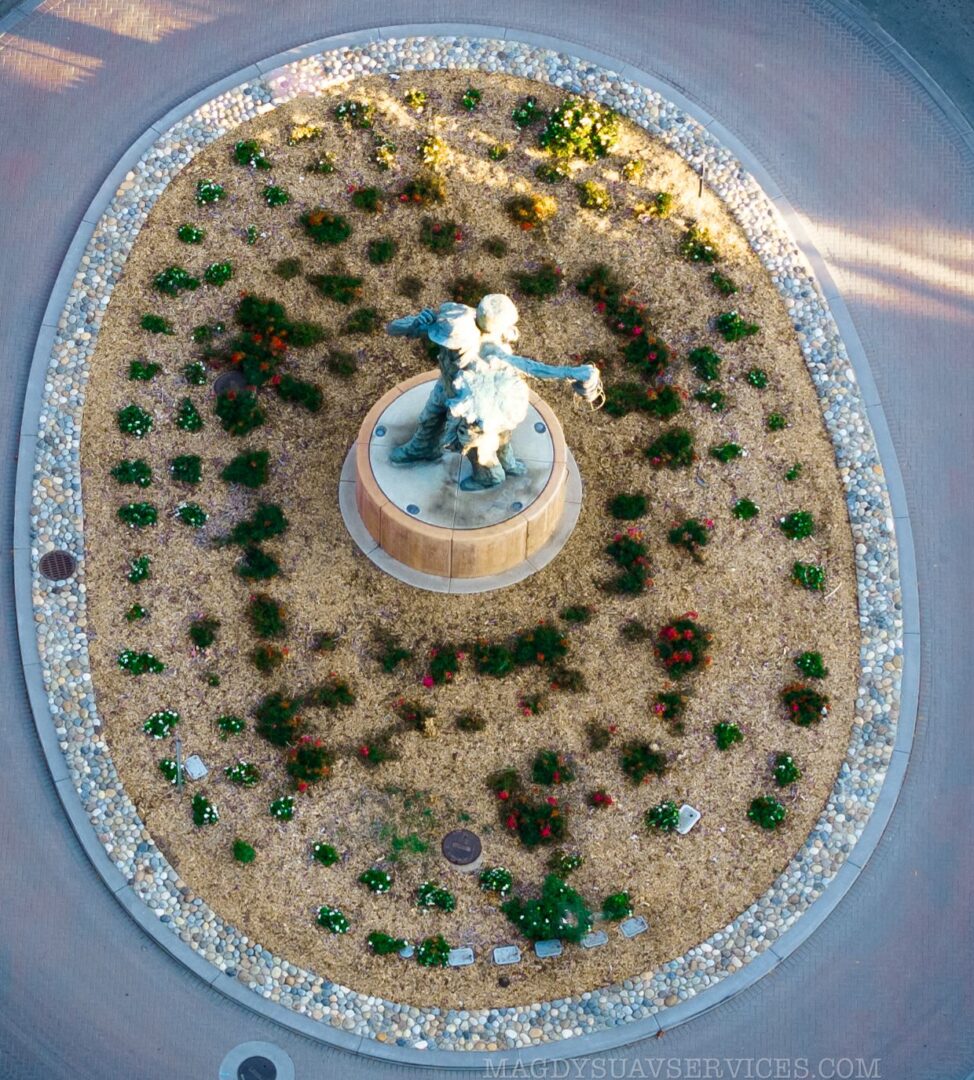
x: 58, y: 565
x: 229, y: 380
x: 257, y: 1068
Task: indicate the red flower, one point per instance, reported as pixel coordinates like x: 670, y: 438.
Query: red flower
x: 427, y: 681
x: 546, y: 831
x: 551, y: 800
x: 302, y: 786
x: 364, y: 751
x: 512, y: 822
x: 503, y: 795
x: 404, y: 198
x: 613, y: 728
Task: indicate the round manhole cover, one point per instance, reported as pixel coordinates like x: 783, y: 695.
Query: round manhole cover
x: 58, y: 565
x: 229, y: 380
x: 257, y: 1068
x: 461, y: 847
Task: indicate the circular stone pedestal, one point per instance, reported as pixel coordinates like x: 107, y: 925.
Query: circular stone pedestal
x: 419, y: 516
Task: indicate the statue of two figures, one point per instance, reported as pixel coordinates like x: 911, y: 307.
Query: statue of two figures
x: 480, y: 396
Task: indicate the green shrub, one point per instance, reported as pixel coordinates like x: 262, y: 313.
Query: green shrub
x: 542, y: 644
x: 444, y: 664
x: 559, y: 912
x: 758, y: 378
x: 218, y: 273
x: 267, y: 658
x: 577, y: 613
x: 798, y: 525
x: 670, y: 706
x: 593, y: 196
x: 266, y: 616
x: 733, y: 328
x: 249, y: 152
x: 188, y: 417
x: 767, y: 812
x: 301, y: 133
x: 174, y: 280
x: 692, y: 535
x: 186, y: 469
x: 356, y: 114
x: 534, y: 821
x: 282, y: 808
x: 809, y: 575
x: 382, y: 250
x: 191, y: 514
x: 156, y: 324
x: 243, y: 852
x: 140, y: 663
x: 136, y: 472
x: 160, y: 723
x: 330, y: 695
x: 362, y: 321
x: 275, y: 196
x: 287, y: 268
x: 440, y: 236
x: 785, y: 770
x: 137, y: 515
x: 776, y: 421
x: 617, y: 906
x: 135, y: 613
x: 309, y: 761
x: 727, y: 451
x: 243, y: 773
x: 626, y: 397
x: 639, y: 761
x: 323, y: 165
x: 429, y: 895
x: 551, y: 767
x: 633, y: 170
x: 384, y: 944
x: 416, y: 99
x: 552, y: 172
x: 383, y: 153
x: 564, y: 863
x: 376, y: 880
x: 469, y: 289
x: 659, y: 206
x: 672, y: 450
x: 811, y: 665
x: 715, y: 399
x: 133, y: 420
x: 697, y: 245
x: 195, y: 373
x: 470, y: 723
x: 804, y: 705
x: 498, y: 151
x: 745, y: 510
x: 543, y: 282
x: 238, y: 412
x: 279, y: 718
x: 496, y: 879
x: 433, y: 952
x: 682, y: 644
x: 631, y: 554
x: 725, y: 735
x: 628, y: 507
x: 527, y: 112
x: 190, y: 234
x: 257, y: 565
x: 325, y: 226
x: 705, y: 363
x: 665, y: 817
x: 492, y: 658
x: 230, y: 725
x: 644, y: 352
x: 530, y: 211
x: 139, y: 569
x: 140, y: 371
x: 332, y: 919
x: 794, y: 472
x: 470, y: 99
x: 169, y: 769
x: 722, y: 284
x: 251, y: 469
x: 298, y: 392
x: 580, y: 127
x: 432, y: 151
x: 204, y: 812
x: 325, y: 854
x: 202, y: 632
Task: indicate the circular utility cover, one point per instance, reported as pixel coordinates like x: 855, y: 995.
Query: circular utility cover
x: 461, y: 847
x: 58, y: 565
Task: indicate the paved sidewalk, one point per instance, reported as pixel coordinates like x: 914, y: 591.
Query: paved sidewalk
x: 885, y: 188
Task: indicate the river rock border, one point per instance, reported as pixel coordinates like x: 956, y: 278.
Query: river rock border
x: 637, y: 1006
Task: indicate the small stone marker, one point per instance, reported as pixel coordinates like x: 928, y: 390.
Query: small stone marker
x: 461, y: 957
x: 462, y: 850
x: 595, y: 939
x: 407, y: 952
x: 545, y: 949
x: 194, y: 768
x: 633, y: 926
x: 689, y: 816
x: 507, y: 954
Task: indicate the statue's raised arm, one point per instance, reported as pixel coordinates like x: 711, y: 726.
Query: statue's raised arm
x: 586, y: 379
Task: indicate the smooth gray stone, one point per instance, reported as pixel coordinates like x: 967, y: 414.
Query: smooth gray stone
x: 507, y: 954
x: 633, y: 926
x: 545, y: 949
x: 689, y: 816
x: 595, y: 939
x: 407, y: 952
x: 460, y: 957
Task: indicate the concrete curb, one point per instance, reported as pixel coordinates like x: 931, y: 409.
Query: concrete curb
x: 587, y: 1044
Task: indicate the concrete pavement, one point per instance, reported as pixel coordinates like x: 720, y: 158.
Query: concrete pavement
x: 886, y: 190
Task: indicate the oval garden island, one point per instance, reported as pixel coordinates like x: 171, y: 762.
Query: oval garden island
x: 455, y: 797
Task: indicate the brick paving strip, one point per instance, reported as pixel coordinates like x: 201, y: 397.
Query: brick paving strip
x: 56, y: 660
